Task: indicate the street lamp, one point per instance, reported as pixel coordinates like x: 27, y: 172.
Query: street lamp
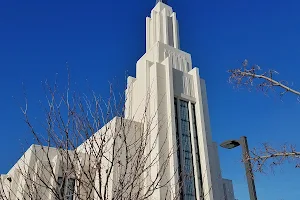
x: 230, y: 144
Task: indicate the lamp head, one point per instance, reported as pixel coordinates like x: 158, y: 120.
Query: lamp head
x: 230, y: 144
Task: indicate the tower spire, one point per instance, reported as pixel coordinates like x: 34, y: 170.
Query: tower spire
x: 163, y: 1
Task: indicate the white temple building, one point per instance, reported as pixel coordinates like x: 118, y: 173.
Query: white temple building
x: 168, y: 97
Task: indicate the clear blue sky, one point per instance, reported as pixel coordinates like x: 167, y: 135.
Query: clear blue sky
x: 103, y: 39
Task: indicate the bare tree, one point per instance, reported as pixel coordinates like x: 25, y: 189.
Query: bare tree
x: 254, y: 77
x: 83, y: 151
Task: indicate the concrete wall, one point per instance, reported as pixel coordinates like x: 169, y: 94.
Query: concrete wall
x: 162, y: 26
x: 33, y: 169
x: 228, y: 189
x: 165, y: 72
x: 117, y: 141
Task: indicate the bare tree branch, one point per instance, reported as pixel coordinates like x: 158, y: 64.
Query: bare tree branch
x: 263, y: 80
x: 245, y: 76
x: 270, y: 157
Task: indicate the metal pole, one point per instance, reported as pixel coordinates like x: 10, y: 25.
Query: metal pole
x: 248, y: 168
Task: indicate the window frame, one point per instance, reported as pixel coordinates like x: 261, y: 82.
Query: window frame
x: 63, y: 184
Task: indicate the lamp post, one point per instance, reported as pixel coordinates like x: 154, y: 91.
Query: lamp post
x: 230, y: 144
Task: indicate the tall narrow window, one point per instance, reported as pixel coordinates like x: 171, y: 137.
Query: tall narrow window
x: 66, y: 187
x: 184, y: 125
x: 70, y: 189
x: 61, y: 186
x: 186, y: 146
x: 198, y: 164
x: 178, y: 149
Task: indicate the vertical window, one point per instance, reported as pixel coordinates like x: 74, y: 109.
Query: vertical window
x: 188, y: 172
x: 184, y: 150
x: 66, y: 187
x: 61, y: 186
x: 186, y: 121
x: 178, y: 149
x: 198, y: 164
x: 70, y: 189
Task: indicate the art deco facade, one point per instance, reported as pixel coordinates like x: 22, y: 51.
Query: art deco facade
x: 168, y: 92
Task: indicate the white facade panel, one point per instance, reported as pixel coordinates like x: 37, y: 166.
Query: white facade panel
x: 228, y: 190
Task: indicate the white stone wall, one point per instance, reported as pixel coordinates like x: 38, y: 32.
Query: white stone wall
x: 33, y: 166
x: 165, y: 72
x: 38, y: 161
x: 228, y: 189
x: 162, y: 27
x: 113, y: 133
